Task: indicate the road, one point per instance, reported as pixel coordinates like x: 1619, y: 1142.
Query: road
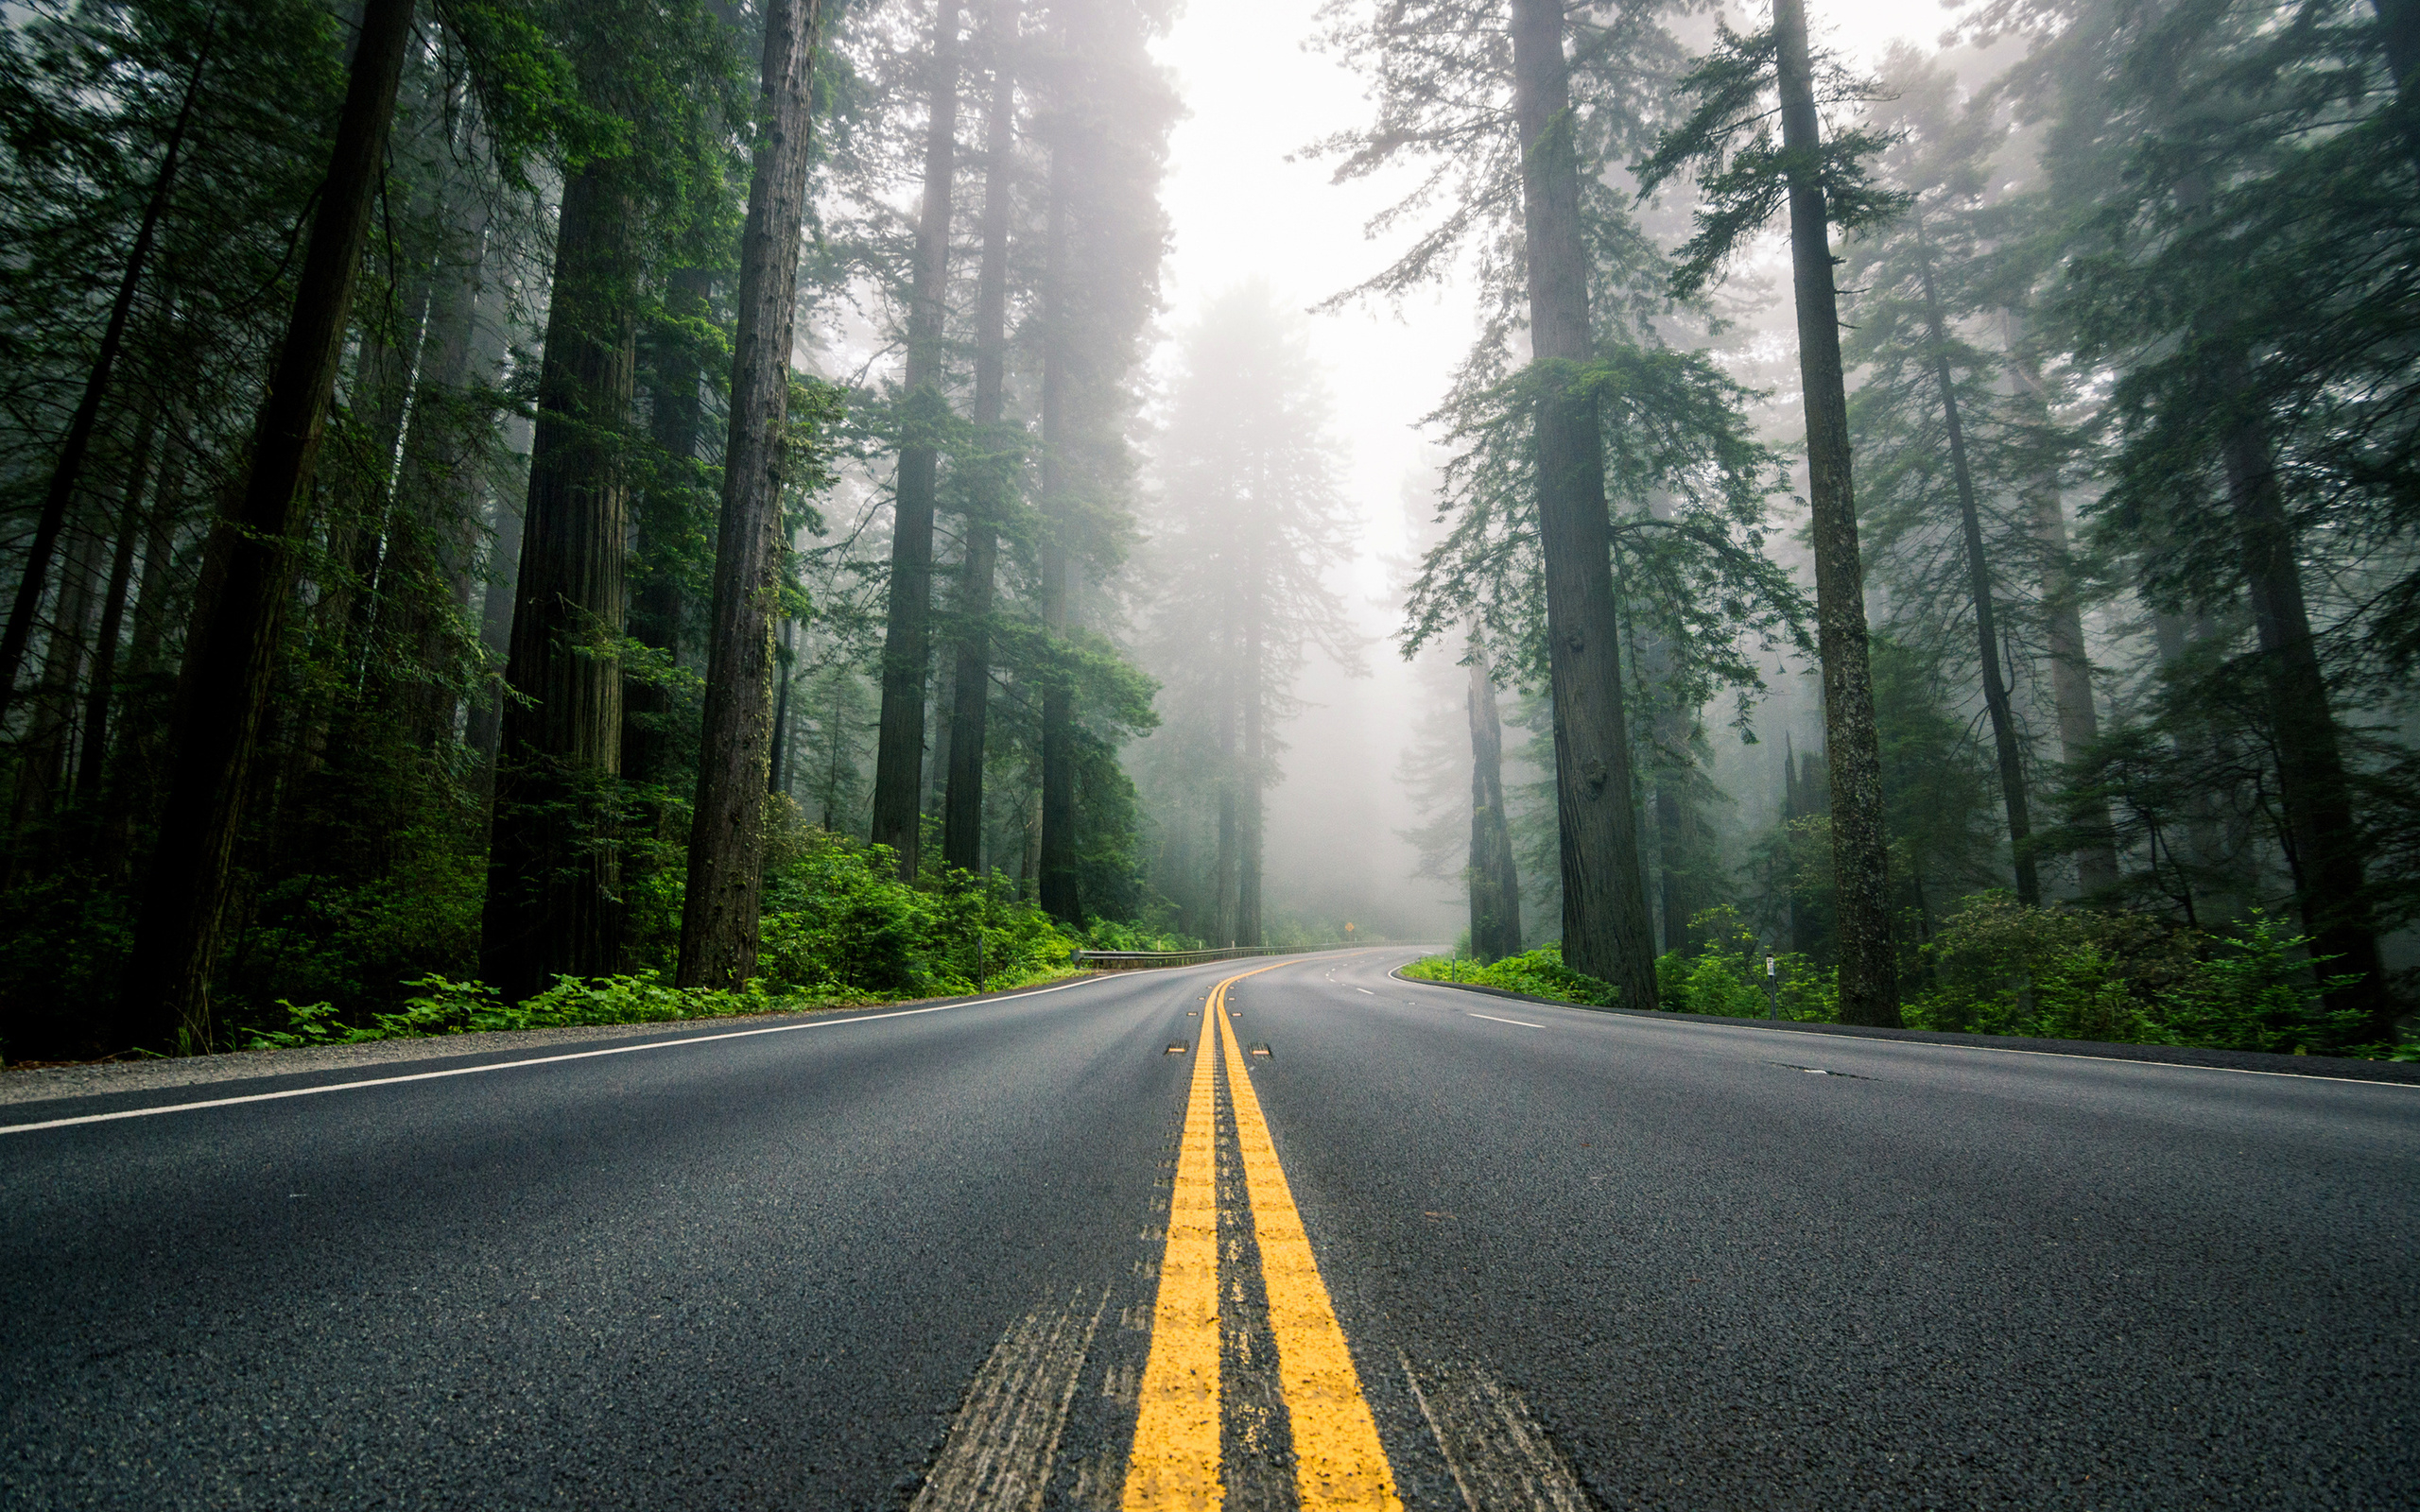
x: 1450, y: 1249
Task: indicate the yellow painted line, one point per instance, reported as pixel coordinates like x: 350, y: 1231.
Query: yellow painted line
x: 1175, y: 1461
x: 1337, y: 1460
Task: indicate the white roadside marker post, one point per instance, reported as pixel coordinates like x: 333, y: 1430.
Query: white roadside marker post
x: 1772, y: 988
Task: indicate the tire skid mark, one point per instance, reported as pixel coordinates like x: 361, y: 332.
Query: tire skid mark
x: 1501, y: 1460
x: 1005, y: 1439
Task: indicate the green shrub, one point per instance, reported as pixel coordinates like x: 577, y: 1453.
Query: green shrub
x: 1539, y: 973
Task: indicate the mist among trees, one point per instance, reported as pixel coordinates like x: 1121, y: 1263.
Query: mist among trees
x: 524, y: 512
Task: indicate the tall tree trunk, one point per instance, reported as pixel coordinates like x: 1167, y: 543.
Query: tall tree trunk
x: 1060, y: 896
x: 554, y: 866
x: 2320, y: 829
x: 675, y: 416
x: 970, y: 700
x: 2063, y: 618
x: 101, y: 687
x: 231, y: 651
x: 907, y: 649
x: 69, y: 468
x: 1978, y: 587
x: 1852, y: 748
x: 1495, y: 883
x: 1607, y: 931
x: 718, y: 914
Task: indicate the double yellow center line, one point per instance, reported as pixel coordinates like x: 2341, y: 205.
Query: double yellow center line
x: 1177, y: 1455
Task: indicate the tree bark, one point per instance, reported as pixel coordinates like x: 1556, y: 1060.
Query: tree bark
x: 554, y: 866
x: 1861, y: 919
x: 718, y: 916
x: 962, y: 803
x: 101, y: 687
x: 69, y: 468
x: 1060, y: 895
x: 231, y: 651
x: 907, y: 650
x: 1607, y: 930
x: 2322, y: 833
x: 1495, y: 881
x: 1978, y: 586
x: 2070, y: 661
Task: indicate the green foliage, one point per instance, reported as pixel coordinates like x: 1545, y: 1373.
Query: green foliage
x: 1744, y: 173
x: 839, y: 921
x: 442, y: 1007
x: 1539, y: 973
x: 2126, y: 978
x: 1726, y: 977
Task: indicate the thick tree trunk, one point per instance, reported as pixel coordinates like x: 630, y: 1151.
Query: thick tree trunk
x: 907, y: 650
x: 1979, y: 589
x: 69, y: 468
x: 101, y: 687
x: 962, y: 803
x: 1060, y: 895
x: 719, y: 913
x: 1495, y: 883
x: 554, y: 867
x: 231, y: 651
x: 1860, y: 872
x: 2070, y: 662
x: 1607, y: 931
x: 2325, y: 839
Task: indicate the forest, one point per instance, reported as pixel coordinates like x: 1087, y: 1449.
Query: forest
x: 519, y: 512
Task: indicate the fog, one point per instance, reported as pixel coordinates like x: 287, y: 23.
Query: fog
x: 1245, y: 202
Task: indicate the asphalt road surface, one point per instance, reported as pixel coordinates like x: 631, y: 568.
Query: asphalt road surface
x: 1435, y: 1248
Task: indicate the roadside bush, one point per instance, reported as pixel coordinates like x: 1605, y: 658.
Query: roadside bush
x: 1539, y: 973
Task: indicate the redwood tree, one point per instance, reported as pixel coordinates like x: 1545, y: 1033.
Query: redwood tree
x: 719, y: 918
x: 231, y: 648
x: 906, y: 651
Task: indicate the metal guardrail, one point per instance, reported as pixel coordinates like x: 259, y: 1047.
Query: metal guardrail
x: 1147, y: 960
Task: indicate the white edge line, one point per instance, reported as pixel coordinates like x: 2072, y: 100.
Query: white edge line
x: 1939, y: 1045
x: 535, y: 1061
x: 1493, y: 1018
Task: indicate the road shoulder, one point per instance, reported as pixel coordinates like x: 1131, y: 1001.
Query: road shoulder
x: 2326, y: 1067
